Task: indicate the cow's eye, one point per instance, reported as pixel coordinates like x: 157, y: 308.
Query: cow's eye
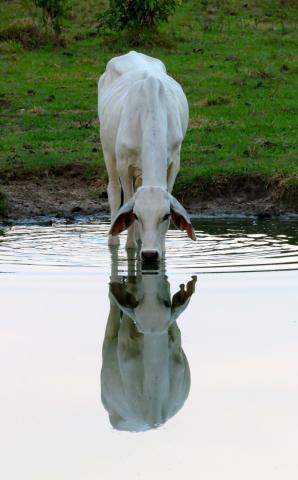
x: 166, y: 216
x: 166, y: 303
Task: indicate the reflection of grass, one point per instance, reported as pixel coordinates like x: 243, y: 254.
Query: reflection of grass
x: 237, y: 62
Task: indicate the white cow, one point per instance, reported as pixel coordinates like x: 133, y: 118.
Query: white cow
x: 143, y: 119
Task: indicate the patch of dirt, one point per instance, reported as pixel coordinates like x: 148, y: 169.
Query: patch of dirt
x: 67, y: 191
x: 247, y: 194
x: 4, y: 102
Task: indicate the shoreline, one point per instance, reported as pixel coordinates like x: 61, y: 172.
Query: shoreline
x: 49, y: 220
x: 72, y: 193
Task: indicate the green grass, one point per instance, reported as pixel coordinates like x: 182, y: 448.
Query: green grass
x: 237, y: 62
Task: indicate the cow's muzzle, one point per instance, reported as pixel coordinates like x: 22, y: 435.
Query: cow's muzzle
x: 149, y: 254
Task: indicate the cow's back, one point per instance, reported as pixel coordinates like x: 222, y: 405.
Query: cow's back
x: 125, y: 92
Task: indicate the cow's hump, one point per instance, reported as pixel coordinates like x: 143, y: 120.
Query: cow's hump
x: 133, y: 61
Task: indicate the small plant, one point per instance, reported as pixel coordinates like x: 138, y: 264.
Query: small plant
x: 53, y: 11
x: 137, y: 15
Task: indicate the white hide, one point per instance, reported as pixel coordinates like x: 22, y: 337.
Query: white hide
x: 143, y: 116
x: 145, y: 377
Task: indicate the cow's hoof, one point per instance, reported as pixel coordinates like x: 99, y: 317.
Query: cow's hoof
x: 113, y: 241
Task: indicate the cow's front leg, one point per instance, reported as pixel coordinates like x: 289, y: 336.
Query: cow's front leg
x: 173, y: 169
x: 128, y: 191
x: 114, y: 191
x: 131, y: 237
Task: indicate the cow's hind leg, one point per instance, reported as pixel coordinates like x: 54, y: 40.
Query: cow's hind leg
x: 114, y: 191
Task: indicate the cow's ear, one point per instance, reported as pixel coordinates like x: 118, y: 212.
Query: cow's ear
x: 180, y: 218
x: 124, y: 300
x: 181, y: 299
x: 124, y: 218
x: 123, y: 297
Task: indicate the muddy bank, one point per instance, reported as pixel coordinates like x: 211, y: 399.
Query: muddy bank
x: 62, y: 193
x: 65, y: 194
x: 246, y: 194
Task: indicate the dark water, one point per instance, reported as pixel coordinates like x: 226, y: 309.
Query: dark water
x: 112, y: 370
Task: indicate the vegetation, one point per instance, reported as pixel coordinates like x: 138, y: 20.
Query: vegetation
x: 237, y: 62
x: 26, y: 32
x: 136, y: 15
x: 53, y: 11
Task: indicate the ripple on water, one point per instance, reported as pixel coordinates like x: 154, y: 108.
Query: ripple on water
x: 222, y: 246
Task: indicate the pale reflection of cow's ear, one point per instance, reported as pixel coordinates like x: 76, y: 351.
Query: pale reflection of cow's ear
x: 125, y: 300
x: 181, y: 299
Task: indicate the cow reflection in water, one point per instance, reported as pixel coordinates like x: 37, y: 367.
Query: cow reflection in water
x: 145, y: 377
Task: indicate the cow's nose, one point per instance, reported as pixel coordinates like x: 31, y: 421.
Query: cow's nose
x: 149, y: 254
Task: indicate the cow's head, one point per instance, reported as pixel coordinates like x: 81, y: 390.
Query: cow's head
x: 152, y: 208
x: 147, y: 301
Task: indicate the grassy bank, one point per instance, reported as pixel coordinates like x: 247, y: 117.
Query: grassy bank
x: 237, y: 62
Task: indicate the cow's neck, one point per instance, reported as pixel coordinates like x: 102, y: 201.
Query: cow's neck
x: 154, y: 169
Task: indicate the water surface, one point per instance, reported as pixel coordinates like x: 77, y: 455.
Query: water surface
x: 189, y: 370
x: 223, y: 246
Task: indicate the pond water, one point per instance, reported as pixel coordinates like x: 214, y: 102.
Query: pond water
x: 111, y: 369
